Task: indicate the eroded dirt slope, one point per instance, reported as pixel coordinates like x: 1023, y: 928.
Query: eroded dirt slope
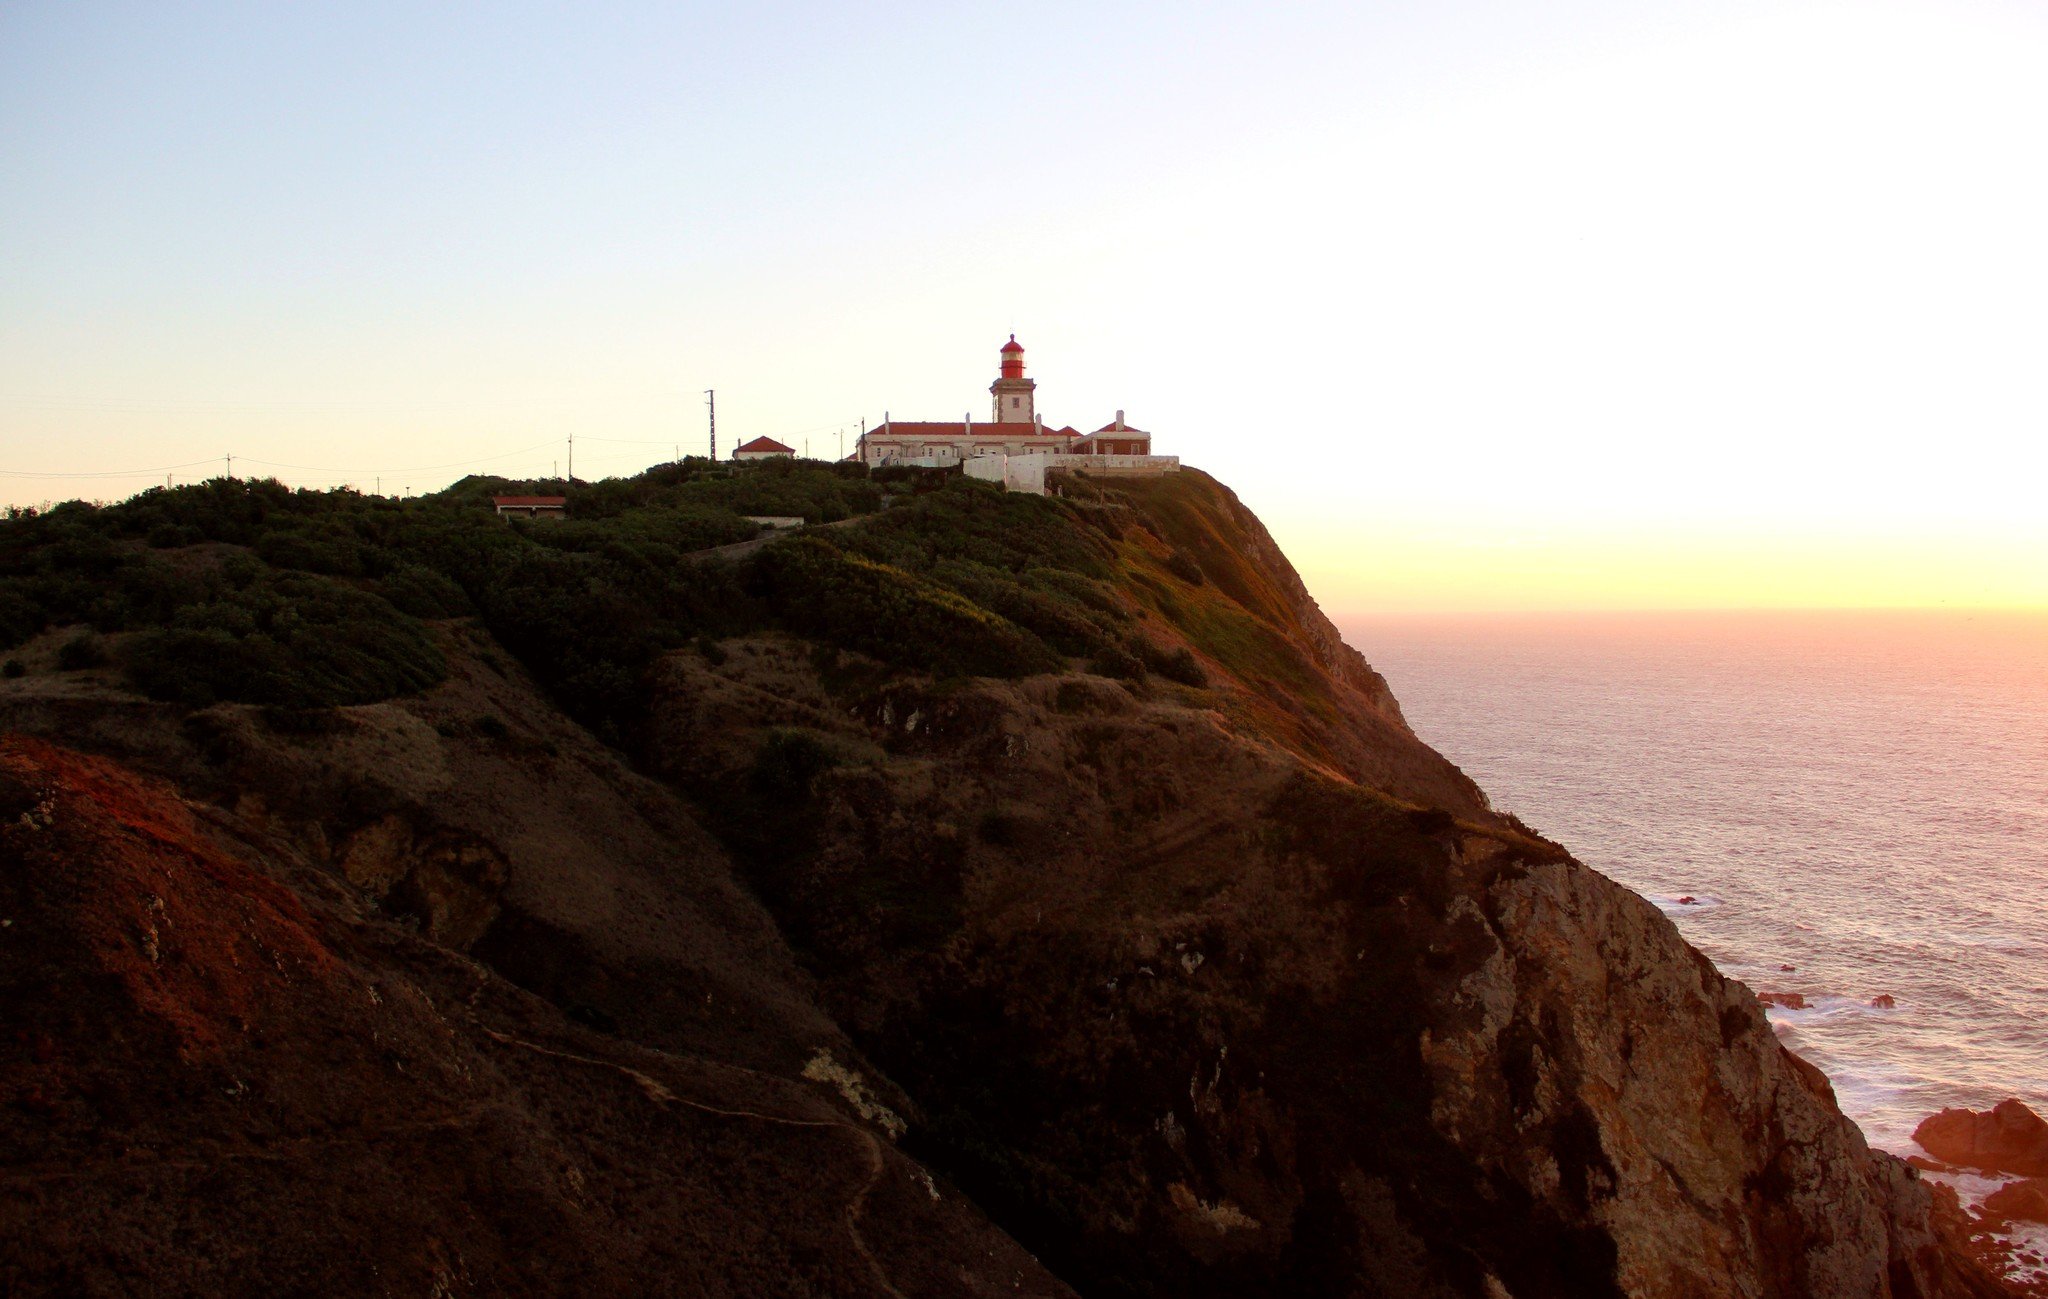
x: 258, y: 1040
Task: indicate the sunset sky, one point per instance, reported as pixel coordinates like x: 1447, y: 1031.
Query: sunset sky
x: 1479, y: 305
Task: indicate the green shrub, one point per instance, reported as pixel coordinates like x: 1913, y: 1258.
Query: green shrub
x: 423, y: 593
x: 313, y: 549
x: 1086, y: 592
x: 821, y: 592
x: 85, y: 650
x: 787, y: 766
x: 1177, y: 664
x: 1066, y: 626
x: 1183, y: 566
x: 969, y: 520
x: 1116, y: 661
x: 20, y: 616
x: 297, y: 641
x: 1073, y: 697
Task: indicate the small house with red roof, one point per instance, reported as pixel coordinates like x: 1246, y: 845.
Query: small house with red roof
x: 532, y: 507
x: 1115, y: 438
x: 762, y: 449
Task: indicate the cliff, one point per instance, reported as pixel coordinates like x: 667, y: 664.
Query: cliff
x: 1137, y: 949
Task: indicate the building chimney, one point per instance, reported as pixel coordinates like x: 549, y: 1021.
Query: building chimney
x: 1119, y: 421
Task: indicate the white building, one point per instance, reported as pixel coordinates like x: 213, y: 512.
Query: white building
x: 1016, y: 446
x: 762, y: 449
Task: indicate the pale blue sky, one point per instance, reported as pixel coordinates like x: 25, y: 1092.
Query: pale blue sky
x: 1477, y: 304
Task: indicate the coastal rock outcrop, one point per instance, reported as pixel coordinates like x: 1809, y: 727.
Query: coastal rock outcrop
x: 2007, y: 1138
x: 2026, y: 1200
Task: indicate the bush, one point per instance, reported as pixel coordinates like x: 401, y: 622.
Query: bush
x: 1175, y: 665
x: 787, y: 767
x: 1083, y: 591
x: 326, y: 550
x: 1065, y: 625
x: 297, y: 641
x: 85, y: 650
x: 1116, y: 661
x: 820, y: 592
x: 20, y: 616
x: 1183, y: 566
x: 13, y: 668
x: 424, y: 593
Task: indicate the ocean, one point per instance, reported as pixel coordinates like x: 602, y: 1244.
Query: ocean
x: 1855, y: 803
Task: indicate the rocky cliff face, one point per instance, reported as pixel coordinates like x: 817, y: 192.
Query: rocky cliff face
x: 865, y: 983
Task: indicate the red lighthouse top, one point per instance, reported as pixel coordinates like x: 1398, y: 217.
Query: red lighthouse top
x: 1013, y: 359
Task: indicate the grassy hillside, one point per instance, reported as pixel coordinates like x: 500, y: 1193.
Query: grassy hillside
x: 252, y: 592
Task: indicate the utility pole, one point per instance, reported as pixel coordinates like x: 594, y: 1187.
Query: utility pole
x: 380, y: 484
x: 572, y: 457
x: 711, y: 400
x: 231, y: 466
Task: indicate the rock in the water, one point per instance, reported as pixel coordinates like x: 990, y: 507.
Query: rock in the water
x: 1788, y: 1000
x: 2010, y: 1138
x: 1688, y: 901
x: 1883, y: 1001
x: 2027, y: 1200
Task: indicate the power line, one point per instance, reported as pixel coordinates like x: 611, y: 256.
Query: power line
x: 665, y: 442
x: 371, y: 471
x: 413, y: 469
x: 107, y: 473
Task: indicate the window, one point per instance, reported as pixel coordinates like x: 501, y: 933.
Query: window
x: 1015, y: 402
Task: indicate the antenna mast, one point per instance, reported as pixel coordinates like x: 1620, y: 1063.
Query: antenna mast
x: 711, y: 400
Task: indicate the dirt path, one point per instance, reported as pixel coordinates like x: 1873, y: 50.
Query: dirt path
x: 658, y: 1092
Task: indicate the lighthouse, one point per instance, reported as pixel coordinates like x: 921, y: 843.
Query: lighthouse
x: 1012, y: 391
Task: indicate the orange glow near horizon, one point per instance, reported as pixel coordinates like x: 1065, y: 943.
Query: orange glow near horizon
x: 1386, y: 571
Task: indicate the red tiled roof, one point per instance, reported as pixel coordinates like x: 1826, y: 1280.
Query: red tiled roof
x: 990, y: 429
x: 764, y: 444
x: 1112, y: 428
x: 1013, y: 345
x: 538, y: 501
